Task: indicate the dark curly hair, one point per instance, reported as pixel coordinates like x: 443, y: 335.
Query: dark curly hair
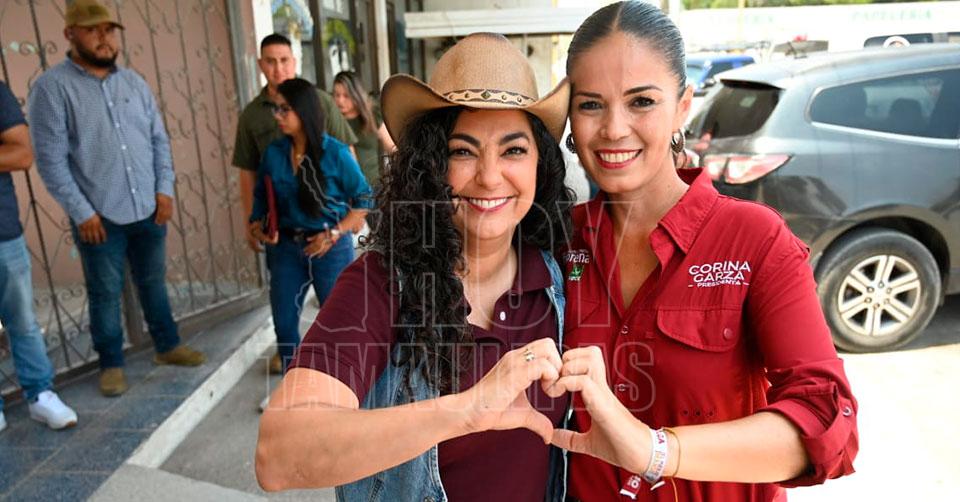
x: 423, y: 249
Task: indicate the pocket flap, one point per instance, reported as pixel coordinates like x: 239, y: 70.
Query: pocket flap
x: 713, y: 330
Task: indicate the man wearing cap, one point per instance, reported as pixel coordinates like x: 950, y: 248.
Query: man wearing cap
x: 103, y: 152
x: 257, y: 128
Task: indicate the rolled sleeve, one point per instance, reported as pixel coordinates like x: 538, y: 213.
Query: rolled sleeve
x: 808, y: 383
x: 819, y: 403
x: 355, y: 186
x: 47, y: 113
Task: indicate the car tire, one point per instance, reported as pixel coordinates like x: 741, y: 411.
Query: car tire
x: 871, y: 267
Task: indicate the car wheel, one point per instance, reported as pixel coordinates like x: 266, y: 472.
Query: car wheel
x: 878, y: 289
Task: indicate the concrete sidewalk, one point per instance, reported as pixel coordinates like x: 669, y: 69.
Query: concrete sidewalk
x: 39, y: 464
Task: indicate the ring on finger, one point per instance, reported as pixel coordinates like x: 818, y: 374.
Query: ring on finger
x: 529, y: 355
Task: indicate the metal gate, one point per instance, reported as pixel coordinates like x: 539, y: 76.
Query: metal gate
x: 183, y: 50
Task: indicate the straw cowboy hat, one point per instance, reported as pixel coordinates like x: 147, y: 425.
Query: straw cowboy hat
x: 483, y: 70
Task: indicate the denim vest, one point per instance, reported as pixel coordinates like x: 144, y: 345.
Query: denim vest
x: 419, y: 479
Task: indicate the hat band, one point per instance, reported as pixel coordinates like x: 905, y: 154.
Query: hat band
x: 489, y: 96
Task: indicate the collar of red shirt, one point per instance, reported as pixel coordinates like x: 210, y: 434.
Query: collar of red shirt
x: 682, y: 223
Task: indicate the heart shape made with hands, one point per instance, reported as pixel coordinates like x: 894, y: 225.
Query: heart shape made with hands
x: 499, y: 402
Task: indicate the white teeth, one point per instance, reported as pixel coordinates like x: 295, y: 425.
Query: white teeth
x: 617, y: 158
x: 487, y: 203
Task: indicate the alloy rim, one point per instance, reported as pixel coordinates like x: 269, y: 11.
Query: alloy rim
x: 879, y: 296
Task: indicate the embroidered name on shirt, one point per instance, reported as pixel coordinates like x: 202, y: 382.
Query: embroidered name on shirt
x: 722, y: 273
x: 577, y: 258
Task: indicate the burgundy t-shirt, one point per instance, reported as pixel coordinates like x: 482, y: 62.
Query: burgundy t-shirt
x: 351, y: 340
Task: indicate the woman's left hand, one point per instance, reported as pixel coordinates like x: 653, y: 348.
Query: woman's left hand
x: 319, y: 244
x: 615, y: 435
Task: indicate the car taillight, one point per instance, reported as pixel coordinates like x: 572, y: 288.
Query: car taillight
x: 746, y: 168
x: 737, y: 169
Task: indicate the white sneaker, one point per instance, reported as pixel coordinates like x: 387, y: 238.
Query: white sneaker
x: 3, y: 422
x: 50, y: 410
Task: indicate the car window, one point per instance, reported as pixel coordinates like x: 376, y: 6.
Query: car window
x: 719, y: 68
x: 923, y: 104
x: 694, y: 72
x: 735, y: 109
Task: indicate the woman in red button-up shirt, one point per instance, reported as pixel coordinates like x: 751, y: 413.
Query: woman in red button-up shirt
x: 685, y: 309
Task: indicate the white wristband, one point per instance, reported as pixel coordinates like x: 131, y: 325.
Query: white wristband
x: 658, y: 456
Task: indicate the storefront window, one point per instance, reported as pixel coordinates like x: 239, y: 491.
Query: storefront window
x: 292, y: 19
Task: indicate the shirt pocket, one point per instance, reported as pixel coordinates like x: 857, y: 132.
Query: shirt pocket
x: 710, y: 329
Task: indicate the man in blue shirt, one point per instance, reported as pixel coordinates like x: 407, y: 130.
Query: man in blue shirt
x: 104, y: 155
x: 30, y: 361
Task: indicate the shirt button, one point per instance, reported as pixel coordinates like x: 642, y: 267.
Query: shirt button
x: 123, y: 147
x: 133, y: 190
x: 128, y: 169
x: 110, y: 103
x: 117, y: 125
x: 503, y: 316
x: 847, y: 411
x: 621, y: 387
x: 727, y: 333
x: 624, y: 330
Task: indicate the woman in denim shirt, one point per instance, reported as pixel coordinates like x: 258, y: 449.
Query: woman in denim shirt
x: 425, y: 375
x: 321, y: 197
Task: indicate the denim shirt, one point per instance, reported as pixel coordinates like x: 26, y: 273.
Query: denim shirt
x: 418, y: 479
x: 346, y: 188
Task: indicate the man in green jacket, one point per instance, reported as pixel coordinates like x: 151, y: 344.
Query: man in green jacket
x: 257, y: 127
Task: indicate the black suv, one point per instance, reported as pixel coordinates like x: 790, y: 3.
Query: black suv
x: 860, y: 153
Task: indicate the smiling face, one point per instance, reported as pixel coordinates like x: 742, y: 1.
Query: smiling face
x: 492, y: 167
x: 623, y: 112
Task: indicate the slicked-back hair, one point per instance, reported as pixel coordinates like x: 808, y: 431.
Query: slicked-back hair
x: 641, y: 20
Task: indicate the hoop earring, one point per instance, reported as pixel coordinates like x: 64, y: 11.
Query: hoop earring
x: 677, y: 141
x: 570, y: 146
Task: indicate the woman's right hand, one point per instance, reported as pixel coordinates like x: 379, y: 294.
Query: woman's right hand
x: 499, y: 400
x: 255, y: 231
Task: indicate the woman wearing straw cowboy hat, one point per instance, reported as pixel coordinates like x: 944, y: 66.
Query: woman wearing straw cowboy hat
x: 424, y: 376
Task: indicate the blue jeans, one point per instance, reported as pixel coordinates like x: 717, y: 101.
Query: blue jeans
x: 291, y: 273
x: 143, y: 243
x: 34, y: 370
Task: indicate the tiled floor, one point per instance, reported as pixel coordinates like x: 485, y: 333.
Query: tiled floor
x: 40, y: 464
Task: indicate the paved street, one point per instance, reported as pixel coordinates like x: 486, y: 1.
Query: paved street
x: 909, y: 420
x: 908, y: 427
